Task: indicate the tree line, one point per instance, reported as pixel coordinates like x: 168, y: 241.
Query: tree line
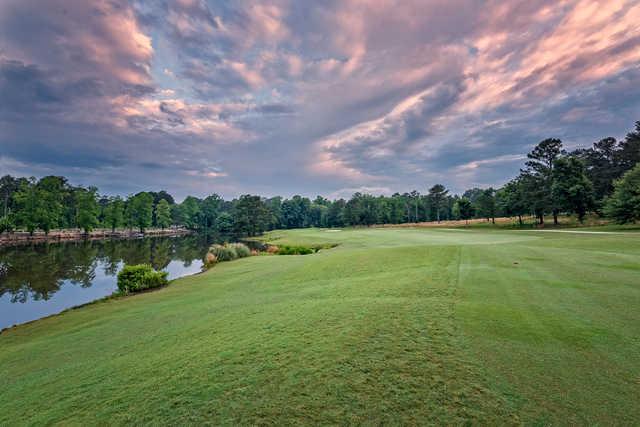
x: 604, y: 179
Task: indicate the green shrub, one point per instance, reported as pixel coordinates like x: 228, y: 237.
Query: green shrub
x: 241, y: 249
x: 154, y: 279
x: 6, y: 224
x: 224, y: 252
x: 136, y: 278
x: 285, y: 250
x: 294, y: 250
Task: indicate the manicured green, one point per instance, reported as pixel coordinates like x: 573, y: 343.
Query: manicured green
x: 393, y: 326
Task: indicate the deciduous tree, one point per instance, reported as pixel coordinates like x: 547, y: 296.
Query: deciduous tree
x: 191, y: 212
x: 31, y: 205
x: 87, y: 208
x: 511, y: 199
x: 113, y: 215
x: 572, y: 190
x: 250, y: 215
x: 140, y: 209
x: 163, y: 214
x: 624, y: 204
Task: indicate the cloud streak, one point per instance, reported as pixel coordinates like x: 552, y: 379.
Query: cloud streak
x: 282, y: 97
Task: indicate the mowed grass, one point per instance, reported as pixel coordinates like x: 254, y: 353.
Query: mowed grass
x: 393, y: 326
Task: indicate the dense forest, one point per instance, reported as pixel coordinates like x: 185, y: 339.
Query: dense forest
x: 604, y: 179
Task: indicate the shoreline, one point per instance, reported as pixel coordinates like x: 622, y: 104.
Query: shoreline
x: 18, y: 238
x: 113, y: 296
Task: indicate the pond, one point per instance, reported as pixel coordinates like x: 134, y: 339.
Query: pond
x: 43, y: 279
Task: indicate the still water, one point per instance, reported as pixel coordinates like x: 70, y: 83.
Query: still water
x: 44, y: 279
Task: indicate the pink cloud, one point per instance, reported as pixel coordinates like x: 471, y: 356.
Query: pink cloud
x: 112, y: 45
x: 593, y: 39
x: 357, y: 90
x: 251, y: 77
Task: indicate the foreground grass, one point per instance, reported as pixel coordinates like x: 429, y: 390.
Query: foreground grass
x: 392, y: 326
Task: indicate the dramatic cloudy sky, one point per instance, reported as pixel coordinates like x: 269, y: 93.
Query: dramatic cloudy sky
x: 329, y: 97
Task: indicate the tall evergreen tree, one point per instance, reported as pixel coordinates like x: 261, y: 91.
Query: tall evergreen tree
x: 486, y: 204
x: 464, y: 209
x: 539, y: 167
x: 602, y: 165
x: 437, y: 196
x: 629, y: 154
x: 535, y: 195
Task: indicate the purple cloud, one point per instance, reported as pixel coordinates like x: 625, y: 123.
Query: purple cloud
x: 287, y: 97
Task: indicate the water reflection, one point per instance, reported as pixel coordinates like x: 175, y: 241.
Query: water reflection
x: 43, y: 279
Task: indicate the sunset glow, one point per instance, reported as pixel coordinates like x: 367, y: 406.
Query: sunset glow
x: 290, y: 97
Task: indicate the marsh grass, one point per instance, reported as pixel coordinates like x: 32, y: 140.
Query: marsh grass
x: 227, y: 252
x: 242, y: 250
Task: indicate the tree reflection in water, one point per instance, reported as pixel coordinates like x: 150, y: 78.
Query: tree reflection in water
x: 38, y: 271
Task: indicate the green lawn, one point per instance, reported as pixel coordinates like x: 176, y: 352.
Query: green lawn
x: 393, y: 326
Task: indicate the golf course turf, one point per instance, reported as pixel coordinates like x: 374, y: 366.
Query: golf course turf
x: 392, y: 326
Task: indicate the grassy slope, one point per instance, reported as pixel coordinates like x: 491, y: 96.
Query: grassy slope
x: 405, y: 325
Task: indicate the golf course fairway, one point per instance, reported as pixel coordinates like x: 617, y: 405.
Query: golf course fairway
x: 392, y: 326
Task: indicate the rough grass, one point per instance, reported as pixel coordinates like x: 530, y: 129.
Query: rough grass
x: 528, y: 222
x: 393, y: 326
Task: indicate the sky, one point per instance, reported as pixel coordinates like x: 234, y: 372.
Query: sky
x: 307, y: 97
